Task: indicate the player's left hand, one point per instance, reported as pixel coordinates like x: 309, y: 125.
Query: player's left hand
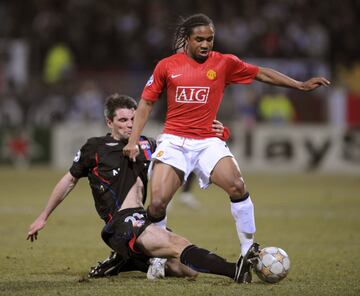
x: 131, y: 151
x: 314, y: 83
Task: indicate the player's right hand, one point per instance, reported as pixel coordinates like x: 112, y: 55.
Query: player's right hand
x: 131, y: 151
x: 34, y: 229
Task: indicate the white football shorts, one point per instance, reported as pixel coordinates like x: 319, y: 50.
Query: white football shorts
x: 187, y: 155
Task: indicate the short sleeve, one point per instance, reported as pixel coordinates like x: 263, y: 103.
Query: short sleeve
x: 84, y: 160
x: 156, y: 83
x: 240, y: 72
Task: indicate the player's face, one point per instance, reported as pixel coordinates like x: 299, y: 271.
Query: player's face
x: 122, y: 123
x: 200, y: 43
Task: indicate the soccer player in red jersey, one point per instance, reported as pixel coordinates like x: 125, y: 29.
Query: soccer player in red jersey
x: 194, y: 79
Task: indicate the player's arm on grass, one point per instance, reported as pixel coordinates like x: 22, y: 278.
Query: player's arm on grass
x: 142, y: 113
x: 274, y: 77
x: 60, y: 191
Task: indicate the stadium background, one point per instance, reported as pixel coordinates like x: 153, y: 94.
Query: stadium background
x: 59, y: 59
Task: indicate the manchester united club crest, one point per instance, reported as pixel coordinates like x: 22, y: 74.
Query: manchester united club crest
x: 160, y: 153
x: 211, y: 74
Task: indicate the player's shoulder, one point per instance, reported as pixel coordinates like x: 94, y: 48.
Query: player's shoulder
x: 167, y: 64
x: 176, y: 57
x: 96, y: 141
x: 224, y: 56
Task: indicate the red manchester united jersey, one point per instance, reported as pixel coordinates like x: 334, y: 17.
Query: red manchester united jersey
x: 194, y: 90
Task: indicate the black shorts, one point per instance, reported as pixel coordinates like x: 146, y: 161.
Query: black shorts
x: 121, y: 232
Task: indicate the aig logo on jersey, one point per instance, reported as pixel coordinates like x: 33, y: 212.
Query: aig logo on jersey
x: 192, y: 94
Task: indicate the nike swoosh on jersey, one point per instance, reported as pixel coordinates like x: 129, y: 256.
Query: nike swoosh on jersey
x: 175, y: 75
x: 111, y: 144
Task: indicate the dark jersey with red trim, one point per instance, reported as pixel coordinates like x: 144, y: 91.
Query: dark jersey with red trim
x: 111, y: 175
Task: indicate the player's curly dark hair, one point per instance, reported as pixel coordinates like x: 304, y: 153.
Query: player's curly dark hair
x: 118, y: 101
x: 185, y: 27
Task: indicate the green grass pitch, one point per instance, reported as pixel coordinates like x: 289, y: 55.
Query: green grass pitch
x: 315, y: 218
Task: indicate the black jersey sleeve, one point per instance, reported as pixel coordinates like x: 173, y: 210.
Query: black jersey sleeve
x: 84, y: 160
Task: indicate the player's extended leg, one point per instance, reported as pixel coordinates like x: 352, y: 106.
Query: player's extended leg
x: 227, y: 175
x: 111, y: 266
x: 165, y: 180
x: 157, y: 242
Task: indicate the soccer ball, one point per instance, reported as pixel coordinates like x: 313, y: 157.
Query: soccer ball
x: 273, y: 265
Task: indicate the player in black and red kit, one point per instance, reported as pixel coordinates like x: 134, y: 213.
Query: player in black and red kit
x: 119, y: 189
x: 194, y: 79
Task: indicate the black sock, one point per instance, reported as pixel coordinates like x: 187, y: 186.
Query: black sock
x: 243, y: 198
x: 203, y: 260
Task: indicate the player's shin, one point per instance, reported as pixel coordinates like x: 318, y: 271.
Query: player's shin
x: 242, y: 210
x: 205, y: 261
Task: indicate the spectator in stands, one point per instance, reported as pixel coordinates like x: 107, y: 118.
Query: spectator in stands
x: 86, y: 105
x: 276, y: 108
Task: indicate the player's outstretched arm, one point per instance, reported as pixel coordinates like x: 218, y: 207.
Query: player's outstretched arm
x: 274, y: 77
x: 60, y: 191
x: 142, y: 113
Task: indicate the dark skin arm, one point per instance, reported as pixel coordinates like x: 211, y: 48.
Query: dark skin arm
x: 271, y: 76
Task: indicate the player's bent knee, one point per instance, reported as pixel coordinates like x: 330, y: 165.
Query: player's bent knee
x: 237, y: 189
x: 178, y: 243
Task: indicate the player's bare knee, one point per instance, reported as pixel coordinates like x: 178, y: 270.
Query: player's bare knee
x: 237, y: 188
x: 178, y: 244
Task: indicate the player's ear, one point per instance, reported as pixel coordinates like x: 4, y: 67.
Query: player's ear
x: 186, y: 45
x: 109, y: 123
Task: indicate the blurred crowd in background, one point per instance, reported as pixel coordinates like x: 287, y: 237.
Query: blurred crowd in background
x: 60, y: 58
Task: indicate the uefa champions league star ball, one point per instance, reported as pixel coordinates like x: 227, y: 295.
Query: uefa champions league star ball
x: 273, y: 265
